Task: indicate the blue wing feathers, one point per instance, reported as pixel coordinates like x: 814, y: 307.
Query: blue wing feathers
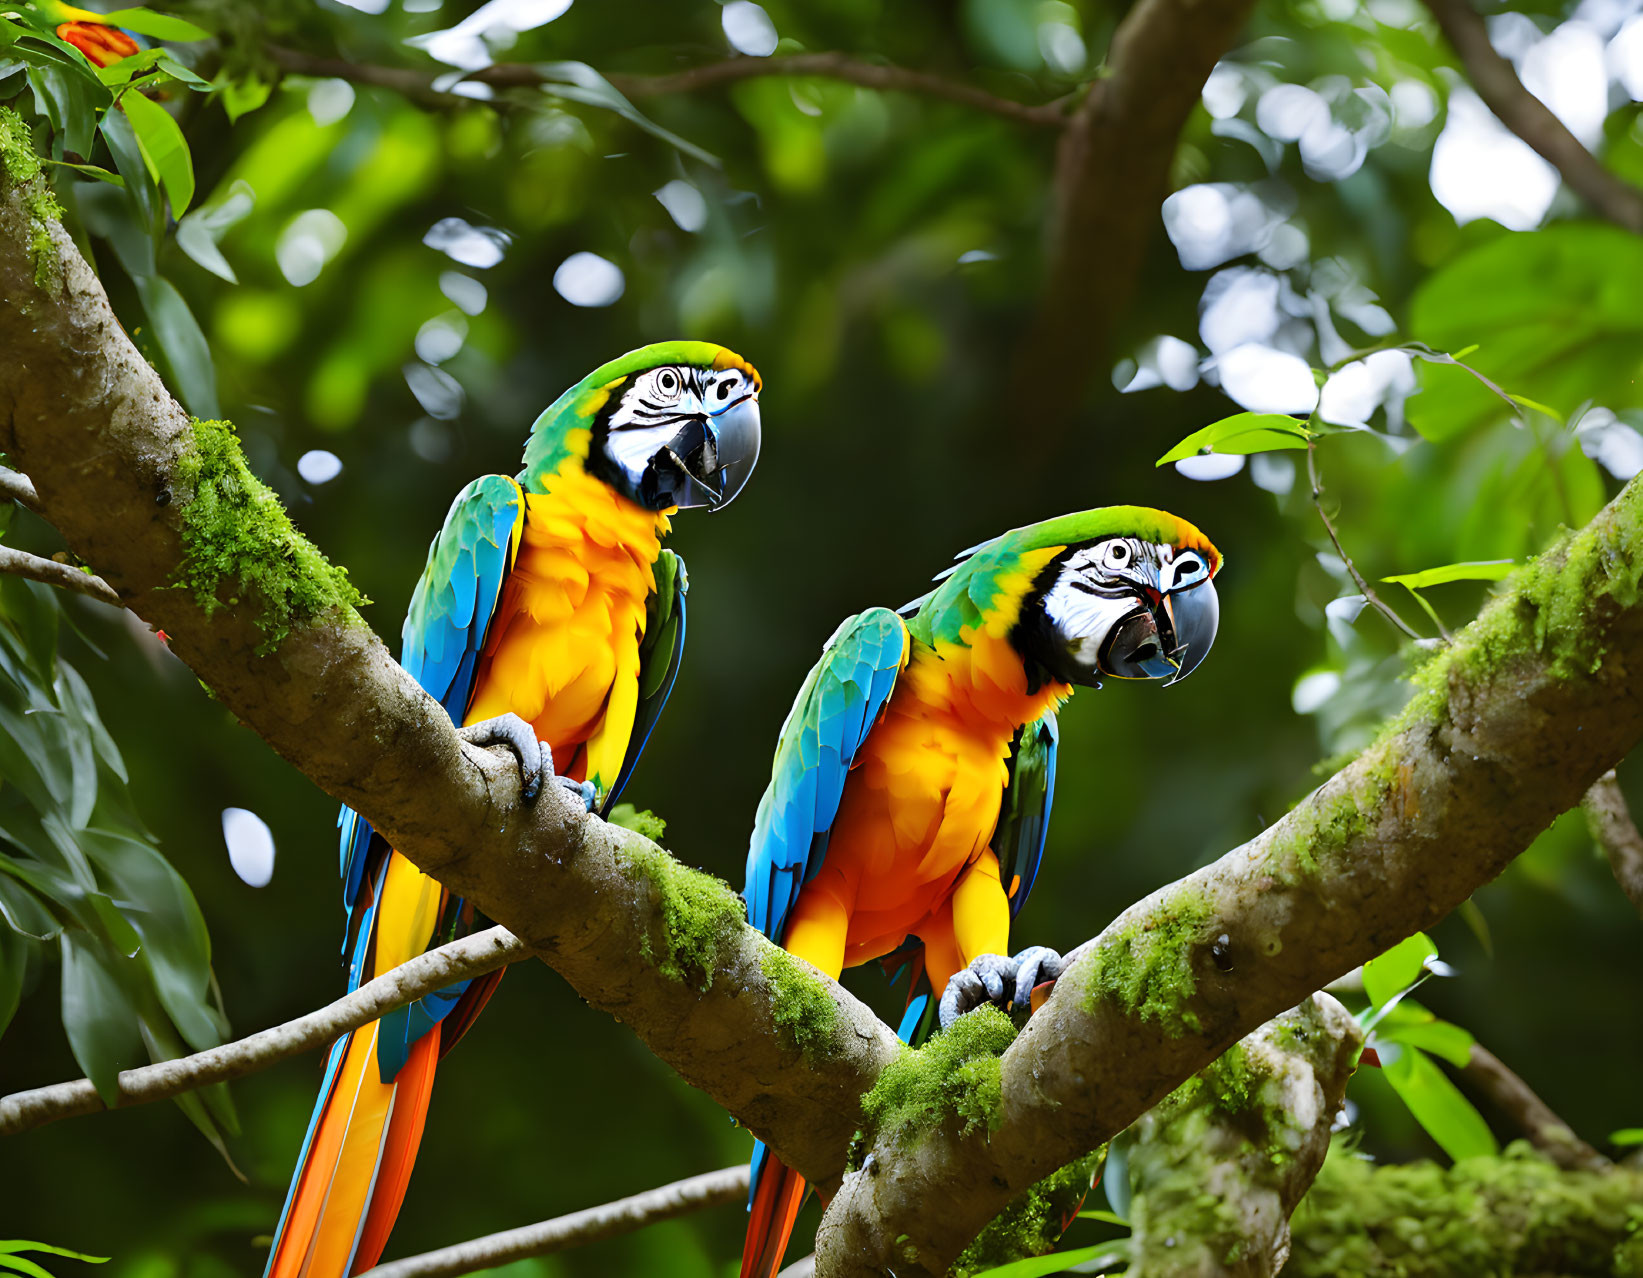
x: 834, y: 712
x: 444, y: 634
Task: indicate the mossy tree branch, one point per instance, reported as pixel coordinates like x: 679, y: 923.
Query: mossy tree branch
x: 1514, y: 721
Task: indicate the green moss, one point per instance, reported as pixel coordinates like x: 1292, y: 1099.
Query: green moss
x: 701, y: 916
x: 1546, y: 610
x: 1147, y: 968
x: 22, y: 166
x: 238, y: 540
x: 1514, y: 1213
x: 639, y: 820
x: 1331, y: 819
x: 956, y: 1076
x: 802, y: 1008
x: 1033, y: 1222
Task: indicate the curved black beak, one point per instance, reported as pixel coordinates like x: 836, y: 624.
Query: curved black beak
x: 708, y: 462
x: 1194, y: 615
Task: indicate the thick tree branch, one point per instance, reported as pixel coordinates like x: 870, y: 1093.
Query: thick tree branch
x: 1112, y: 173
x: 1516, y: 719
x: 595, y: 1224
x: 1527, y: 116
x: 64, y: 576
x: 459, y: 961
x: 1532, y: 1116
x: 418, y: 86
x: 1613, y: 830
x: 1250, y: 1132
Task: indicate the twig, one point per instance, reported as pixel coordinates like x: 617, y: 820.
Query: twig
x: 1368, y: 592
x: 16, y: 486
x: 711, y: 1189
x: 840, y: 66
x: 460, y: 960
x: 1534, y: 1117
x: 65, y: 576
x: 1527, y: 116
x: 418, y: 85
x: 1613, y: 830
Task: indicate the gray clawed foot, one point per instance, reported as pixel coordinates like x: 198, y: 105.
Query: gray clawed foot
x: 1007, y: 983
x: 534, y: 757
x: 1035, y: 965
x: 583, y: 790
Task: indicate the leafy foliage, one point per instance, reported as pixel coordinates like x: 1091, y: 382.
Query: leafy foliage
x: 82, y: 881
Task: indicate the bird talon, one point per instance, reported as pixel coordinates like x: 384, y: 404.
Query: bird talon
x: 534, y: 758
x: 583, y: 790
x: 1006, y: 983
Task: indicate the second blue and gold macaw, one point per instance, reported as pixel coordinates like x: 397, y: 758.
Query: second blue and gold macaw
x: 910, y: 795
x: 548, y: 612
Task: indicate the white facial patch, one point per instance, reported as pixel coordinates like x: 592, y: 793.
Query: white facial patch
x: 1097, y: 587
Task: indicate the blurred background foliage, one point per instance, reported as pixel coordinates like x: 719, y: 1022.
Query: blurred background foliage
x: 382, y: 289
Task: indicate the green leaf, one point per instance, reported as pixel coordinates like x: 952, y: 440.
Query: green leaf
x: 165, y: 151
x: 1438, y: 1106
x: 13, y: 968
x: 22, y: 1266
x: 1398, y: 969
x: 101, y: 1027
x: 1554, y: 316
x: 1055, y: 1262
x: 12, y: 1247
x: 1105, y: 1217
x: 183, y: 343
x: 1478, y: 570
x: 240, y: 97
x: 88, y: 170
x: 68, y: 97
x: 1627, y: 1136
x: 578, y: 82
x: 1242, y: 433
x: 161, y: 26
x: 1441, y: 1038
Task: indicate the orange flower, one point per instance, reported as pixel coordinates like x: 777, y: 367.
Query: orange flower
x: 103, y: 45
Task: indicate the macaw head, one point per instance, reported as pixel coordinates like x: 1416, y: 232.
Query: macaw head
x: 1135, y: 603
x: 674, y: 424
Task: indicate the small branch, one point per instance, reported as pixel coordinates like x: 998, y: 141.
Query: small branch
x: 1533, y: 1116
x: 418, y: 85
x: 1527, y: 116
x: 458, y: 961
x: 840, y: 66
x: 65, y: 576
x: 1613, y: 830
x: 16, y: 486
x: 711, y: 1189
x: 1375, y: 601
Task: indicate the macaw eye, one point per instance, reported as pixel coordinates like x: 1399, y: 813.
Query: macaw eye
x: 669, y: 383
x: 1116, y: 556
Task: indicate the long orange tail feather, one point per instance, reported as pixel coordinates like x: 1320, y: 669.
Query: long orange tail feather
x: 770, y: 1219
x: 358, y: 1164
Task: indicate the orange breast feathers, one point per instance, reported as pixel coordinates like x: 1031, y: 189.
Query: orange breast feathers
x: 563, y: 648
x: 922, y: 802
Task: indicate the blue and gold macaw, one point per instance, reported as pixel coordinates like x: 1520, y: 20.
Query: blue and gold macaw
x: 910, y: 796
x: 548, y: 612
